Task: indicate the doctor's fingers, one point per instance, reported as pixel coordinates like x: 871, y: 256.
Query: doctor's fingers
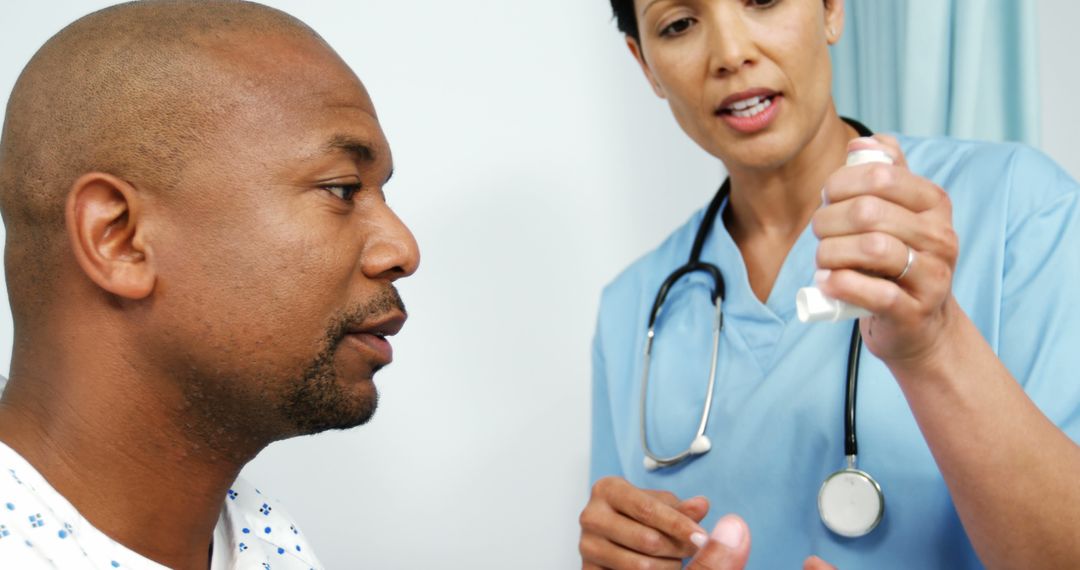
x: 875, y: 253
x: 605, y: 531
x: 815, y: 563
x: 931, y: 231
x: 728, y: 547
x: 887, y: 143
x: 667, y: 497
x: 878, y: 255
x: 908, y: 307
x: 884, y: 268
x: 893, y: 183
x: 598, y: 553
x: 618, y: 495
x: 695, y: 507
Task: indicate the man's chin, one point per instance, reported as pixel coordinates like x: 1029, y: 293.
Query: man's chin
x: 331, y: 401
x: 337, y: 418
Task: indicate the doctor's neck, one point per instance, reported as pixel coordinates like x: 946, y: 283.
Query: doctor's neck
x: 779, y: 200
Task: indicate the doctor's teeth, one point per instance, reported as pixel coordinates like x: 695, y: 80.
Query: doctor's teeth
x: 758, y: 107
x: 745, y: 103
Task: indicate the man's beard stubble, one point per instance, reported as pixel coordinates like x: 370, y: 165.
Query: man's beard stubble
x: 230, y: 414
x: 316, y: 402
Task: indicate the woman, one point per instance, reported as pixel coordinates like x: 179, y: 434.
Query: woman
x: 967, y: 389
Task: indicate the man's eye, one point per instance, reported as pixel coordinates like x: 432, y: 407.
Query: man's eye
x: 343, y: 191
x: 763, y: 3
x: 677, y: 27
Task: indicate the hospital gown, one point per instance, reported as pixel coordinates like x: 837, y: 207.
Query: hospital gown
x: 40, y: 529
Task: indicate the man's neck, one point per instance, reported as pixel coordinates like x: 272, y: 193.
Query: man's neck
x: 126, y: 462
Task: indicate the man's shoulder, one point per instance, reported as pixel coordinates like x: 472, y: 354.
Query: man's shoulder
x: 256, y: 529
x: 39, y: 528
x: 22, y: 511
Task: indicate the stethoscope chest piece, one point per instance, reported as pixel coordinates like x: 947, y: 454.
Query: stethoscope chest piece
x: 851, y: 503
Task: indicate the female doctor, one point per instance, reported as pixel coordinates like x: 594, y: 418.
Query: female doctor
x: 965, y: 255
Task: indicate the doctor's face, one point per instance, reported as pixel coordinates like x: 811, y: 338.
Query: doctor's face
x: 749, y: 81
x: 278, y: 249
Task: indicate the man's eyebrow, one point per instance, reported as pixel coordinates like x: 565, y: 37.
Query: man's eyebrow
x: 360, y: 150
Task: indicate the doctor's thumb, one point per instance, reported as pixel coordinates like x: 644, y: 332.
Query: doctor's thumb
x: 815, y: 563
x: 728, y: 546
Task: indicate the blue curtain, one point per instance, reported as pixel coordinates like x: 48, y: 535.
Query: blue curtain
x: 963, y: 68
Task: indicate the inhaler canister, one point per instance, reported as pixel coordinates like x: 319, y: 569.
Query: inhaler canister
x: 811, y: 304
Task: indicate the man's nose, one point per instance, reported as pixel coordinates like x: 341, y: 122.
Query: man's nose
x: 390, y: 251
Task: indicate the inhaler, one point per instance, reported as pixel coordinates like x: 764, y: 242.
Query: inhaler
x: 811, y: 304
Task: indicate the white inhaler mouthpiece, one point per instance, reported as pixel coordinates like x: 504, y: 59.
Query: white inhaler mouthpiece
x: 811, y: 304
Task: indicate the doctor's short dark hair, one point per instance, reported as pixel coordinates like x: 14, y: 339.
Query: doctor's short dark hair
x: 625, y: 18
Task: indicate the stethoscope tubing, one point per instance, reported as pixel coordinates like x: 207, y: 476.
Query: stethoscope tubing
x: 842, y: 521
x: 695, y: 446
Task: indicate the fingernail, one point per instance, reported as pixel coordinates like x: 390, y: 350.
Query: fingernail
x: 699, y: 539
x: 729, y: 532
x: 824, y: 198
x: 821, y: 275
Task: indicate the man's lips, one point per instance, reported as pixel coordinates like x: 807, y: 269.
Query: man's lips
x: 370, y: 336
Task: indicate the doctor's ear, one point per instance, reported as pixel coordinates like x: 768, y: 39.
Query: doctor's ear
x: 635, y: 50
x: 834, y: 20
x: 102, y: 215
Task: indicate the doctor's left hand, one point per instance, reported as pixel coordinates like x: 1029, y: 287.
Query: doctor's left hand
x: 729, y: 547
x: 875, y: 219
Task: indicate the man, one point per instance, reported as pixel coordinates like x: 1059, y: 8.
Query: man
x: 200, y: 261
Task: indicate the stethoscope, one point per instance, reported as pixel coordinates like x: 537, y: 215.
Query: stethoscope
x: 850, y: 501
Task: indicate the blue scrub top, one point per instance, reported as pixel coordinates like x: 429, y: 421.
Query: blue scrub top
x: 777, y: 419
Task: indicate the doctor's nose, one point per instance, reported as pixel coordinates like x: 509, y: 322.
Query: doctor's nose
x: 730, y: 45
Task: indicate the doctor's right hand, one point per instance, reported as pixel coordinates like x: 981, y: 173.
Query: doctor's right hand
x: 627, y: 527
x: 729, y: 547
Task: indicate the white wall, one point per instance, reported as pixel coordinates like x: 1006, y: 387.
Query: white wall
x: 533, y: 163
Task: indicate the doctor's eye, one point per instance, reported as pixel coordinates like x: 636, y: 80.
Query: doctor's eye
x: 344, y: 192
x: 763, y: 3
x: 677, y: 27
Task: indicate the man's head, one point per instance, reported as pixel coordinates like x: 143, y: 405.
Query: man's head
x: 200, y: 185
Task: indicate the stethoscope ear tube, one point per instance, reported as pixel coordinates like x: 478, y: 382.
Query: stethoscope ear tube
x: 665, y: 288
x: 701, y: 443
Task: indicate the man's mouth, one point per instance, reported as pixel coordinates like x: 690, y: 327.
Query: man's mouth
x: 371, y: 336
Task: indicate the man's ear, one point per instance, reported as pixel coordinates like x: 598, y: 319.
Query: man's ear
x: 103, y: 223
x: 834, y: 20
x: 635, y: 49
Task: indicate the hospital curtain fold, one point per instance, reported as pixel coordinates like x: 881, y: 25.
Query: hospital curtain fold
x: 963, y: 68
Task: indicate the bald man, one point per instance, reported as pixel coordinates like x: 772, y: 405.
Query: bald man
x: 200, y: 261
